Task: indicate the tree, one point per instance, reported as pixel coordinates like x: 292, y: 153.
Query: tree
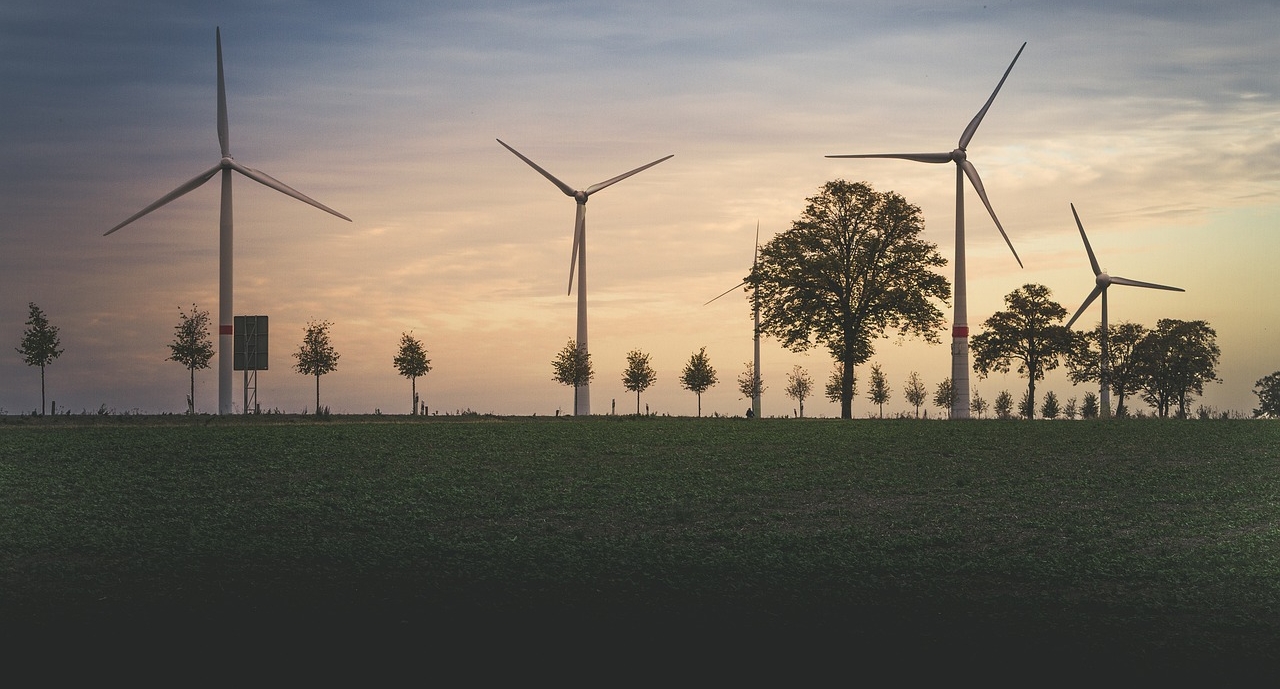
x: 698, y: 375
x: 835, y: 384
x: 1071, y: 410
x: 411, y: 361
x: 750, y: 384
x: 1028, y: 334
x: 1174, y: 362
x: 915, y: 391
x: 639, y: 375
x: 944, y: 396
x: 572, y: 367
x: 192, y: 347
x: 1089, y: 408
x: 1004, y: 405
x: 799, y: 386
x: 316, y: 356
x: 850, y: 268
x: 40, y: 344
x: 879, y: 390
x: 1027, y: 405
x: 1268, y: 391
x: 978, y: 405
x: 1084, y: 360
x: 1050, y: 408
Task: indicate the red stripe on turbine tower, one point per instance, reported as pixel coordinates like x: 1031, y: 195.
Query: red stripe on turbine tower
x: 960, y: 331
x: 226, y: 330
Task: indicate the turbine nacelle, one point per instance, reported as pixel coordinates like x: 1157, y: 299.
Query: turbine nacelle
x: 959, y: 155
x: 580, y: 196
x: 227, y: 163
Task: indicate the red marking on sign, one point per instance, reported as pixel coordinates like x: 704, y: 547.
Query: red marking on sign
x: 226, y: 330
x: 960, y: 331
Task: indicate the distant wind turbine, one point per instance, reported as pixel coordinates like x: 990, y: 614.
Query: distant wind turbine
x: 1104, y: 281
x: 755, y: 309
x: 581, y: 394
x: 964, y: 168
x: 226, y: 165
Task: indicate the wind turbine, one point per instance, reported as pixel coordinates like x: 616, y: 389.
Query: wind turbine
x: 755, y: 310
x: 226, y: 165
x: 581, y: 394
x: 964, y: 168
x: 1104, y: 281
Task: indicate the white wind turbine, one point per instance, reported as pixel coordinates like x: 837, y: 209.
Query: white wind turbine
x: 581, y: 394
x: 226, y: 165
x: 1104, y: 281
x: 964, y: 168
x: 755, y: 311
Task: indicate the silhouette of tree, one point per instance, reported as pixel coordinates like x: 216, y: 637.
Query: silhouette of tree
x: 572, y: 367
x: 698, y: 375
x: 40, y: 344
x: 411, y: 361
x: 316, y: 356
x: 639, y: 375
x: 192, y: 346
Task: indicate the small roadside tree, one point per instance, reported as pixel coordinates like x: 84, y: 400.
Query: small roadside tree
x: 944, y: 396
x: 639, y: 375
x: 750, y: 384
x: 1050, y: 408
x: 411, y: 361
x: 40, y: 344
x: 879, y: 388
x: 1004, y: 405
x: 1089, y: 407
x: 799, y: 386
x: 1268, y: 391
x: 316, y: 356
x: 1071, y: 410
x: 915, y: 391
x: 978, y: 405
x: 192, y: 347
x: 572, y: 367
x: 836, y: 381
x: 698, y: 375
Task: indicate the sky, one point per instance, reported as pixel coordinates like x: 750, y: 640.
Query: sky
x: 1159, y: 120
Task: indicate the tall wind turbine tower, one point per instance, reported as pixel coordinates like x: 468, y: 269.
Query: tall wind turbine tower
x: 1102, y: 281
x: 581, y: 394
x: 226, y: 165
x: 755, y: 312
x: 964, y: 168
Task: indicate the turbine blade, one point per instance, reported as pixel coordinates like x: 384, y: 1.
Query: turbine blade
x: 731, y: 289
x: 977, y: 119
x: 1089, y: 300
x: 755, y: 251
x: 186, y: 187
x: 1135, y: 283
x: 1093, y: 260
x: 601, y: 185
x: 579, y: 228
x: 267, y: 180
x: 224, y: 135
x: 918, y: 157
x: 568, y: 190
x: 972, y: 173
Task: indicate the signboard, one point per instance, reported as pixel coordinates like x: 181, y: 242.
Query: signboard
x: 250, y: 343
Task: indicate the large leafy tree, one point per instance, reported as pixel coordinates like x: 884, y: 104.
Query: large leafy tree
x: 1027, y: 334
x: 698, y: 376
x: 799, y: 386
x: 850, y: 268
x: 411, y: 361
x: 572, y: 367
x: 40, y: 344
x: 1174, y: 362
x: 639, y: 374
x: 1268, y: 391
x: 1084, y: 361
x: 192, y: 346
x: 316, y: 355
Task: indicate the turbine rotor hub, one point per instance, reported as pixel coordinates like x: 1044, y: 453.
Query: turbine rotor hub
x: 227, y: 162
x: 580, y: 197
x: 958, y: 155
x: 1103, y: 279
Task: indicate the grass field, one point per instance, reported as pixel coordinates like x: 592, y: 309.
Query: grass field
x: 1154, y: 542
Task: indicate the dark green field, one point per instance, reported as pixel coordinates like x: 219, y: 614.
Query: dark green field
x: 1153, y: 542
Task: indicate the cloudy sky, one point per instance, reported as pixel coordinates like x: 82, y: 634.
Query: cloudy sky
x: 1159, y: 120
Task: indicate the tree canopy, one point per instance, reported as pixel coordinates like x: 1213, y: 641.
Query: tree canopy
x: 1174, y: 362
x: 878, y: 389
x: 799, y: 386
x: 850, y: 268
x: 40, y: 344
x: 192, y: 346
x: 915, y: 391
x: 1084, y: 360
x: 698, y: 376
x: 411, y: 361
x: 1268, y: 391
x: 1028, y: 334
x: 572, y: 367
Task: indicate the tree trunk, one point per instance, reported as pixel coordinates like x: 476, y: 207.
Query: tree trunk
x: 699, y: 405
x: 413, y: 385
x: 637, y: 403
x: 317, y: 394
x: 846, y: 391
x: 42, y: 403
x: 191, y: 401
